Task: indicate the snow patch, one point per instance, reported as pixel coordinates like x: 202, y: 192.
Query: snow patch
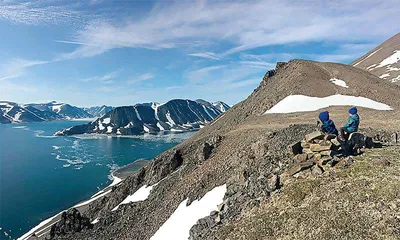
x: 56, y: 108
x: 370, y: 67
x: 179, y: 223
x: 146, y: 129
x: 301, y: 103
x: 109, y: 129
x: 339, y: 82
x: 106, y: 120
x: 160, y: 127
x: 101, y: 127
x: 394, y: 58
x: 140, y: 195
x: 385, y: 75
x: 367, y: 57
x: 396, y: 79
x: 137, y: 114
x: 170, y: 120
x: 205, y: 109
x: 95, y: 221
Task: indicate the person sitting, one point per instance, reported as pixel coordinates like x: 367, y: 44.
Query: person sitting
x: 351, y: 125
x: 328, y: 126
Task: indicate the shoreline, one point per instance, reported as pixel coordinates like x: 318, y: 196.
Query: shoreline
x: 119, y: 175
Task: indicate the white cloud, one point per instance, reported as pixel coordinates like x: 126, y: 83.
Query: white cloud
x: 202, y: 74
x: 243, y: 24
x: 142, y: 78
x: 37, y: 12
x: 106, y: 79
x: 208, y: 55
x: 17, y: 67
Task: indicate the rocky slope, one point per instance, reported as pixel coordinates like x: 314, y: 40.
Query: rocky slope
x: 383, y: 61
x: 175, y: 115
x: 98, y: 111
x: 247, y: 151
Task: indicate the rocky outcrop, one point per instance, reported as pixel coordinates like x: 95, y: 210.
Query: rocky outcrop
x: 71, y: 221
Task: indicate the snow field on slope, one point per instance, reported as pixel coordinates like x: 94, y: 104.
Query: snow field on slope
x: 301, y: 103
x: 339, y: 82
x: 178, y: 225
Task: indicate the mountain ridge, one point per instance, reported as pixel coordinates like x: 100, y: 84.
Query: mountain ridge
x: 174, y: 115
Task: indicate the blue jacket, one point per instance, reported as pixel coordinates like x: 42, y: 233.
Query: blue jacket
x: 352, y: 123
x: 329, y: 127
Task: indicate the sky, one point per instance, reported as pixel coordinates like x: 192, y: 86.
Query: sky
x: 96, y: 52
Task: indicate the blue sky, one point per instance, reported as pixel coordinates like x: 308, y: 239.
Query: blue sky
x: 122, y: 52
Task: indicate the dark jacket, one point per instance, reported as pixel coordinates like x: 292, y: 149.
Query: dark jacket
x: 352, y: 123
x: 329, y: 127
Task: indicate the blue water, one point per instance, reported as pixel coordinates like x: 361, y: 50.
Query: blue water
x: 41, y: 175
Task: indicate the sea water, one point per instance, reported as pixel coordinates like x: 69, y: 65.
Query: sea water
x: 41, y: 175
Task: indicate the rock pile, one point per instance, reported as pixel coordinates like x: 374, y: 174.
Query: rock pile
x: 71, y: 221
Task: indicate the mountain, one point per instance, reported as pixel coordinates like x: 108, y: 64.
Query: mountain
x: 383, y: 61
x: 11, y: 112
x: 223, y: 107
x: 232, y: 179
x: 175, y: 115
x: 98, y: 111
x: 14, y: 113
x: 66, y: 111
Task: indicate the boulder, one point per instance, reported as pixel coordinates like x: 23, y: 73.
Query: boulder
x: 329, y: 137
x: 314, y: 135
x: 324, y: 160
x: 335, y: 142
x: 395, y: 138
x: 316, y: 170
x: 70, y: 222
x: 326, y: 153
x: 300, y: 167
x: 304, y: 144
x: 273, y: 183
x: 383, y: 162
x: 300, y: 158
x: 307, y: 151
x: 321, y: 147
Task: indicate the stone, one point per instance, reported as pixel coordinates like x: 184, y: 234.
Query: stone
x: 300, y: 167
x: 300, y: 158
x: 335, y: 142
x: 394, y: 138
x: 71, y: 221
x: 304, y: 144
x: 316, y: 170
x: 218, y: 219
x: 326, y: 153
x: 320, y: 147
x: 316, y: 158
x: 314, y: 135
x: 307, y: 151
x: 324, y: 160
x: 296, y: 148
x: 383, y: 162
x: 220, y: 207
x: 273, y: 183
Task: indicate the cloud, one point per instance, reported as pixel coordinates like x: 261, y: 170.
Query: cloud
x: 106, y: 79
x: 202, y: 74
x: 268, y: 23
x: 142, y: 78
x: 40, y: 12
x: 17, y: 67
x: 208, y: 55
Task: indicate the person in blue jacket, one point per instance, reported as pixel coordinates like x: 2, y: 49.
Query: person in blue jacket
x: 328, y: 126
x: 351, y: 125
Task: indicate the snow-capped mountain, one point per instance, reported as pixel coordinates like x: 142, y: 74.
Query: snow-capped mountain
x: 14, y: 113
x: 175, y: 115
x: 383, y: 61
x: 11, y: 112
x: 223, y: 107
x: 66, y: 111
x: 98, y: 111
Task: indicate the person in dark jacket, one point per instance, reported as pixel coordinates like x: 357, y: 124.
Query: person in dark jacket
x: 351, y: 125
x: 328, y: 126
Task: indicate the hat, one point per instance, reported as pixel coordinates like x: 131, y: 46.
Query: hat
x: 353, y: 110
x: 324, y: 116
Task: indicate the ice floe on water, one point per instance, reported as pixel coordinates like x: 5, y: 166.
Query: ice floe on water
x: 301, y: 103
x: 38, y: 133
x: 56, y: 147
x: 21, y: 127
x: 339, y: 82
x: 178, y: 225
x: 71, y: 161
